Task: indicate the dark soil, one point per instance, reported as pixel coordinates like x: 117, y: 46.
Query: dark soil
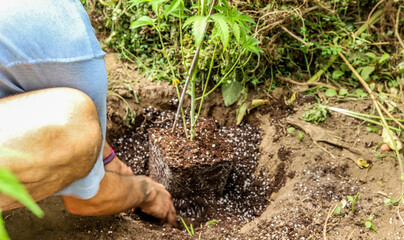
x: 244, y: 196
x: 190, y: 167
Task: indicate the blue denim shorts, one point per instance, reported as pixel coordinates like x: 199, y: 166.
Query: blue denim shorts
x: 46, y: 44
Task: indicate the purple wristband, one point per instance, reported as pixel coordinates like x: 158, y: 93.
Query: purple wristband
x: 110, y: 157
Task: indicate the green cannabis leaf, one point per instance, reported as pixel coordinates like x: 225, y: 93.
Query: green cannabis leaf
x: 198, y: 27
x: 221, y: 28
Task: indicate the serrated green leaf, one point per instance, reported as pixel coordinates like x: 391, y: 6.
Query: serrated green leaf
x: 251, y: 45
x: 222, y: 27
x: 191, y: 20
x: 9, y: 185
x: 331, y: 92
x: 236, y: 30
x: 384, y: 58
x: 245, y: 18
x: 174, y: 7
x: 220, y: 8
x: 226, y: 4
x: 142, y: 21
x: 231, y: 92
x: 198, y: 29
x: 337, y: 74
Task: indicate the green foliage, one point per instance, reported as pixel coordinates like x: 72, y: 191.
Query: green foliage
x: 211, y: 222
x: 317, y: 114
x: 290, y: 130
x: 369, y: 224
x: 300, y: 136
x: 198, y: 27
x: 9, y: 185
x: 231, y: 92
x: 190, y: 230
x: 353, y: 201
x: 331, y: 92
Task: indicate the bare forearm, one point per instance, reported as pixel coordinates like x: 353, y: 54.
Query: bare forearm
x: 117, y: 193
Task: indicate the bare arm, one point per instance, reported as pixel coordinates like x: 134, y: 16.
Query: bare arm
x: 119, y: 193
x: 121, y: 190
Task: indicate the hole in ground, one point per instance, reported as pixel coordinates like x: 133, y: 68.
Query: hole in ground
x: 245, y: 194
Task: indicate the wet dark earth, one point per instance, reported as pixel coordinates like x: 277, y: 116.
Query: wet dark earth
x: 246, y: 192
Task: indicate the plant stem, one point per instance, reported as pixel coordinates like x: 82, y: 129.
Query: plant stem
x: 172, y: 72
x: 191, y: 69
x: 164, y: 49
x: 207, y: 80
x: 223, y: 78
x: 193, y: 103
x: 340, y: 110
x: 182, y: 41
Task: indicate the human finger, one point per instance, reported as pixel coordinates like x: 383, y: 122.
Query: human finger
x: 172, y: 219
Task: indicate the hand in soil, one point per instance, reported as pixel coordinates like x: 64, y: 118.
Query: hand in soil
x: 157, y: 201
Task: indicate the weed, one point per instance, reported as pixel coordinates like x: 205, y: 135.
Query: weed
x: 290, y: 130
x: 369, y: 224
x: 211, y: 222
x: 300, y: 136
x: 372, y: 129
x: 353, y: 201
x: 317, y: 114
x: 190, y: 230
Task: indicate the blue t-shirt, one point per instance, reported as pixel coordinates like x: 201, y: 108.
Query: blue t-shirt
x: 51, y: 43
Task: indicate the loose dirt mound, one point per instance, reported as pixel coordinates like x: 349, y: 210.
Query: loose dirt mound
x: 309, y: 177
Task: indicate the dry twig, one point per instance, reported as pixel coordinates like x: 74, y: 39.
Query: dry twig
x: 326, y: 220
x: 295, y: 36
x: 285, y: 79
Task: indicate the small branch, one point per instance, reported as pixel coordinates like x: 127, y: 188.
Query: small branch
x: 373, y: 9
x: 285, y: 79
x: 326, y: 220
x: 295, y: 36
x: 390, y: 116
x: 325, y: 150
x: 396, y: 28
x: 377, y: 43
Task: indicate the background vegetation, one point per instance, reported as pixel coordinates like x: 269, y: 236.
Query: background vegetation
x: 298, y: 39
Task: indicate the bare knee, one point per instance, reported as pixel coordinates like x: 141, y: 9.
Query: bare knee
x: 82, y: 131
x: 58, y: 129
